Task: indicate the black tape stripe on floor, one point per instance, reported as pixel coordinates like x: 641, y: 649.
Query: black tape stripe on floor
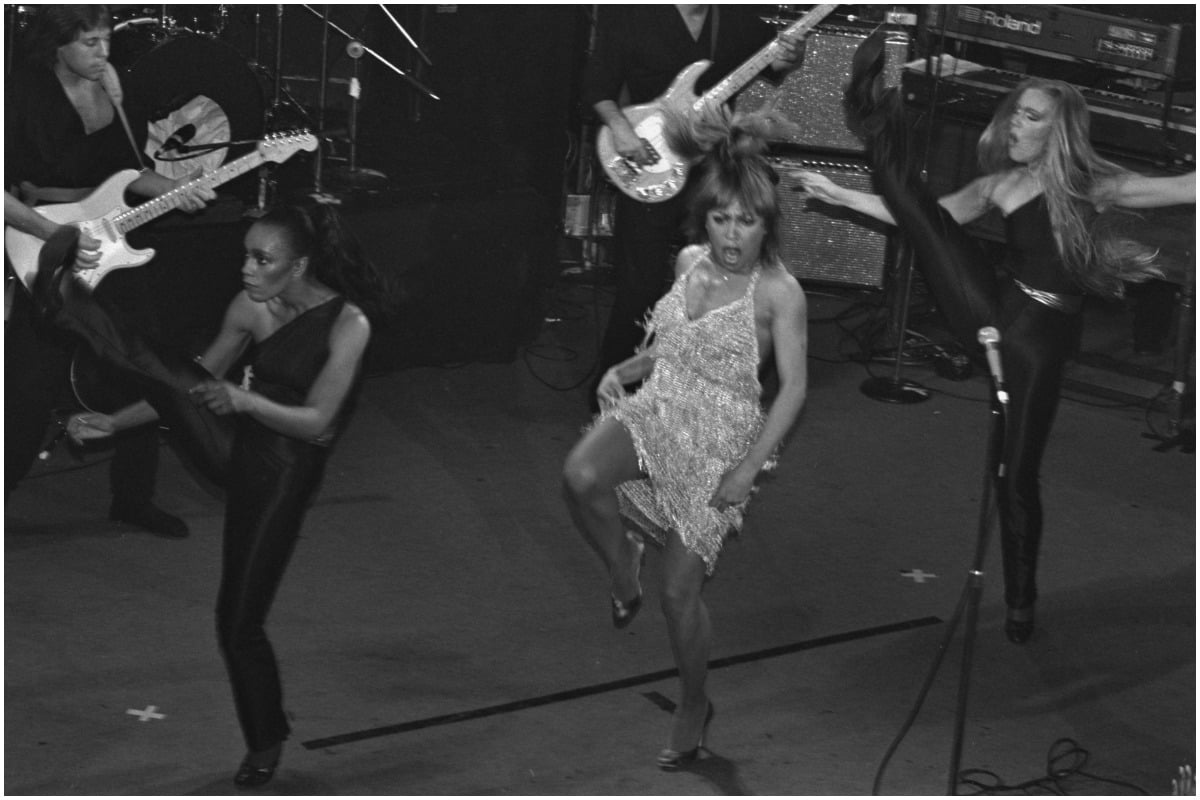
x: 624, y: 683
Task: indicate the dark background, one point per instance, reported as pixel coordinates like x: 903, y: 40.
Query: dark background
x: 463, y: 195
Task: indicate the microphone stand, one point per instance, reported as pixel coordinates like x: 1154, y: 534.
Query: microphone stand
x: 994, y: 470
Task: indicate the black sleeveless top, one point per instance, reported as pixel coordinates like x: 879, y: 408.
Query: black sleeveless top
x: 285, y: 365
x: 1032, y: 255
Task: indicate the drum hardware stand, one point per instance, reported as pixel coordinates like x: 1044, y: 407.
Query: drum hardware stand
x: 417, y: 84
x: 403, y: 32
x: 895, y: 389
x: 319, y: 162
x: 266, y: 184
x: 353, y: 174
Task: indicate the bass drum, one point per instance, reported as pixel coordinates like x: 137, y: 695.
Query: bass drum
x: 196, y: 80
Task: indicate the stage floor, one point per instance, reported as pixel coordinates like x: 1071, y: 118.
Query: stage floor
x: 444, y: 630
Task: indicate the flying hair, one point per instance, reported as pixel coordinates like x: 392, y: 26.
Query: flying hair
x: 731, y: 154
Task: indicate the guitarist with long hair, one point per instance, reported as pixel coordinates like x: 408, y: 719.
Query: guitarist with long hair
x: 64, y: 135
x: 639, y: 51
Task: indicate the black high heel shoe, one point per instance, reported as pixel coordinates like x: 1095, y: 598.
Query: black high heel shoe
x: 624, y: 612
x: 1018, y: 625
x: 671, y: 760
x: 258, y: 767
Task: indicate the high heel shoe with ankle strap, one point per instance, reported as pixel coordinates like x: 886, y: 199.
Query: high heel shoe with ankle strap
x: 671, y: 760
x: 623, y: 612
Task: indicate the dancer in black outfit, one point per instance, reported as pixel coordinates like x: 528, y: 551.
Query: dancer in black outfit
x: 1041, y: 173
x: 302, y: 320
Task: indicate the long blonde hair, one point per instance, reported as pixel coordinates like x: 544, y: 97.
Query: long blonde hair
x: 1092, y: 248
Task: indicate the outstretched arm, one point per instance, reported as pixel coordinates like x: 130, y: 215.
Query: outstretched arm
x: 965, y: 205
x: 1141, y: 191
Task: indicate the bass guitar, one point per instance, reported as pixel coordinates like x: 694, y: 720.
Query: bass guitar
x: 103, y: 214
x: 665, y: 178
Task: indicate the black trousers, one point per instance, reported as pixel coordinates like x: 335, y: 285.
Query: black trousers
x: 1035, y: 343
x: 269, y: 481
x: 274, y: 480
x: 37, y: 360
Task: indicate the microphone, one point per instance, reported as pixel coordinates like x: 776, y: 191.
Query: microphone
x: 989, y: 337
x: 176, y: 142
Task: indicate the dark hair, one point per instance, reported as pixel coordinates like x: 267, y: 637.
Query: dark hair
x: 55, y: 26
x: 733, y: 166
x: 335, y: 255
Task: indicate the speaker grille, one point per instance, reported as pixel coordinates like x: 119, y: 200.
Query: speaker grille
x: 811, y: 95
x: 828, y: 244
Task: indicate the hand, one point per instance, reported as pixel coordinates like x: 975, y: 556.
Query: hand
x: 221, y: 397
x: 817, y: 186
x: 1185, y: 784
x: 630, y: 146
x: 87, y: 256
x: 88, y: 425
x: 610, y: 389
x: 196, y: 198
x: 790, y: 55
x: 735, y: 488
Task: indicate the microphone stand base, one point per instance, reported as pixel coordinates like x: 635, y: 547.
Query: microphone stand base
x: 893, y: 390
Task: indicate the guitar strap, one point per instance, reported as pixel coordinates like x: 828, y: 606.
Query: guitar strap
x: 111, y: 84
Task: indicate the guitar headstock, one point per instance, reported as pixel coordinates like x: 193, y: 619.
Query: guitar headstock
x: 281, y: 146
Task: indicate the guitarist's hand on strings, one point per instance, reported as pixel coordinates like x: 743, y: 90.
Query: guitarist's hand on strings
x: 197, y: 197
x: 152, y: 184
x: 87, y: 254
x: 790, y: 55
x: 630, y: 146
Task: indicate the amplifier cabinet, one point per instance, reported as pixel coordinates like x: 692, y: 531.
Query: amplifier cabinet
x: 811, y: 95
x: 829, y: 244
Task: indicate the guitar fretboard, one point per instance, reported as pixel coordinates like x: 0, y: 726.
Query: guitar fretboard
x: 727, y: 88
x: 169, y: 201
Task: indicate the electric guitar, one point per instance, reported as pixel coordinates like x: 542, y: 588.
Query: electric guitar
x: 665, y: 178
x: 103, y: 214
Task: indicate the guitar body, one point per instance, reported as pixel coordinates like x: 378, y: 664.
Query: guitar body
x: 94, y: 215
x: 104, y: 216
x: 665, y: 178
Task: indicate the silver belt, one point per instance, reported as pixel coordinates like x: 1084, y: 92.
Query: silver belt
x: 1066, y: 303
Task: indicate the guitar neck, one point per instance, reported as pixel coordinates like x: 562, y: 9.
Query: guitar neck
x: 734, y: 81
x: 169, y: 201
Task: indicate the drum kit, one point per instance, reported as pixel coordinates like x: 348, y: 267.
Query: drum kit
x: 200, y: 71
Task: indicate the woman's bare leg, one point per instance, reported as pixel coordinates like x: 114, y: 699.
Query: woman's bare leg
x: 691, y: 632
x: 602, y: 460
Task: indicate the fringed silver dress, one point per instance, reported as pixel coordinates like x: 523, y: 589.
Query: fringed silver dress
x: 694, y: 418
